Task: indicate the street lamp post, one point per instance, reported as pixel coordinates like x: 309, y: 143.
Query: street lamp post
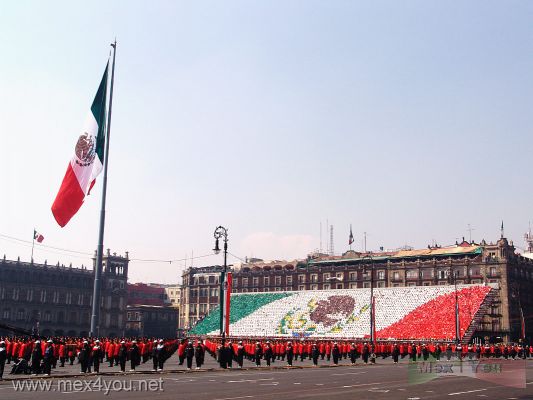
x: 457, y: 330
x: 221, y: 232
x: 371, y: 295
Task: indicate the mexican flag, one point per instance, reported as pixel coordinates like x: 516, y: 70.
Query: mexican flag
x: 87, y: 162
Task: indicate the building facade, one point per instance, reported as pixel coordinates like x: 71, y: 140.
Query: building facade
x: 151, y: 321
x: 57, y: 300
x: 464, y: 263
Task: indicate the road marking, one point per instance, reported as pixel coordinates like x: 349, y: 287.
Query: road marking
x: 376, y: 390
x: 269, y: 384
x: 350, y: 373
x: 319, y: 384
x: 296, y: 383
x: 468, y: 391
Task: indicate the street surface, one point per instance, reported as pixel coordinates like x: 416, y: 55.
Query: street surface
x: 384, y: 380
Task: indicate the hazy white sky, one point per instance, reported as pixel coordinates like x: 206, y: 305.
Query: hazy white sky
x: 408, y: 119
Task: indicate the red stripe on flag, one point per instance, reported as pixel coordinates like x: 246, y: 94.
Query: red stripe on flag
x: 228, y: 297
x: 69, y: 198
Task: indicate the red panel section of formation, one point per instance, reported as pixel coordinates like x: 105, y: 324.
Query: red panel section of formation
x: 436, y: 318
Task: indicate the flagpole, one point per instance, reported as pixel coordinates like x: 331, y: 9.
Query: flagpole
x: 95, y: 317
x: 32, y: 245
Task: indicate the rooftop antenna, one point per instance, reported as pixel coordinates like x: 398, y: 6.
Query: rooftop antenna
x: 528, y: 237
x: 501, y: 231
x: 331, y: 249
x: 320, y: 251
x: 364, y: 238
x: 470, y: 229
x: 327, y: 244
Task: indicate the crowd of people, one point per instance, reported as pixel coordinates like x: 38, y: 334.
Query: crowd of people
x: 299, y: 350
x: 40, y: 356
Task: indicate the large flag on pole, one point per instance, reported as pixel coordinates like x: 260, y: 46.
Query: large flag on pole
x: 87, y: 162
x: 350, y: 238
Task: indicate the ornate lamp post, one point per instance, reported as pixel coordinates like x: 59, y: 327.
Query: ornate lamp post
x: 222, y: 233
x: 369, y: 257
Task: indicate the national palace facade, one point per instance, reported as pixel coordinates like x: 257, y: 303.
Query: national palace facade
x: 464, y: 263
x: 57, y: 300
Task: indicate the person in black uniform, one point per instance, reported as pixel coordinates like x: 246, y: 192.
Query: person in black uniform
x: 135, y: 355
x: 413, y: 354
x: 189, y: 355
x: 229, y: 355
x: 36, y: 357
x: 122, y: 356
x: 258, y: 354
x: 353, y: 353
x: 425, y: 352
x: 240, y: 354
x: 199, y: 354
x: 437, y: 351
x: 269, y: 354
x: 315, y: 353
x: 48, y: 358
x: 97, y: 354
x: 335, y: 353
x: 3, y: 358
x: 290, y: 354
x: 395, y: 353
x: 366, y: 353
x: 85, y: 357
x: 448, y: 351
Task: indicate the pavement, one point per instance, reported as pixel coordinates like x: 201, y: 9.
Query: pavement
x: 493, y: 379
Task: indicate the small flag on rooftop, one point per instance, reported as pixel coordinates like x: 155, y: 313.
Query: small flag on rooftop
x: 37, y: 236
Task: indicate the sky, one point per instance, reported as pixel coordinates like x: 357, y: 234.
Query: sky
x: 408, y: 120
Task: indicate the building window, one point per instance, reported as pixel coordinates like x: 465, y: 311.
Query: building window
x: 29, y: 295
x: 20, y: 314
x: 289, y: 280
x: 245, y: 281
x: 55, y: 297
x: 353, y: 276
x: 442, y: 283
x: 366, y: 285
x: 68, y: 298
x: 47, y: 316
x: 235, y: 282
x: 427, y: 283
x: 256, y: 290
x: 327, y: 276
x: 412, y: 274
x: 474, y: 281
x: 266, y: 281
x: 340, y: 276
x: 2, y: 293
x: 43, y: 296
x: 381, y: 284
x: 353, y: 285
x: 6, y: 314
x: 301, y: 278
x: 255, y: 281
x: 314, y: 287
x: 381, y: 274
x: 301, y: 287
x: 340, y: 286
x: 411, y: 284
x: 15, y: 294
x: 443, y: 273
x: 396, y: 276
x: 395, y: 285
x: 327, y: 286
x: 314, y: 277
x: 277, y: 279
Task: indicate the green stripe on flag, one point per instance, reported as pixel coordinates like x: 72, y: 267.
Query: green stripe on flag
x: 98, y: 108
x: 242, y: 305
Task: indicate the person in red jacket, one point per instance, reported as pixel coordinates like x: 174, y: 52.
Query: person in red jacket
x: 62, y: 353
x: 328, y: 351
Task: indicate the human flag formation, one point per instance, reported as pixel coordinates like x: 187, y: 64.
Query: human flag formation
x: 37, y: 236
x: 87, y: 162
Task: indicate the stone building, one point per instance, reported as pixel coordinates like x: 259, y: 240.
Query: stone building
x: 57, y: 300
x: 151, y: 321
x: 464, y: 263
